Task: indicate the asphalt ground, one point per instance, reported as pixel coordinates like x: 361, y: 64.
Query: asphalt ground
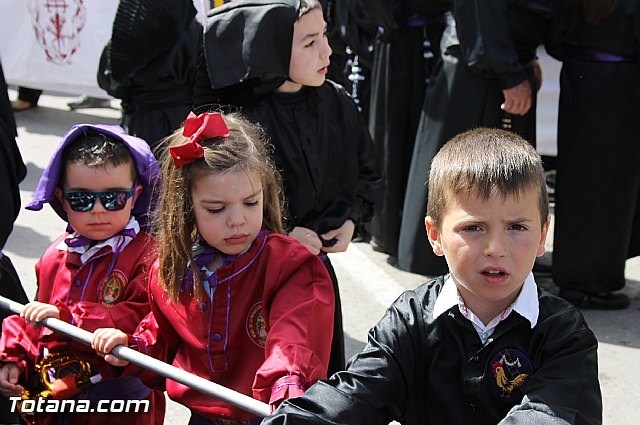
x: 368, y: 282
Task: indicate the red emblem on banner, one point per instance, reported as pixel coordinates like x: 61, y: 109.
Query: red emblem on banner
x: 57, y: 25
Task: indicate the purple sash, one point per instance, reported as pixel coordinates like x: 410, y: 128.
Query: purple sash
x: 589, y: 55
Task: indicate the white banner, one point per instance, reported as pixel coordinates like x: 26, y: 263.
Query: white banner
x: 55, y: 44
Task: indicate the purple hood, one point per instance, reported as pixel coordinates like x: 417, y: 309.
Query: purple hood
x: 146, y: 167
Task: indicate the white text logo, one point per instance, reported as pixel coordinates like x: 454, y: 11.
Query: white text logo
x: 50, y: 405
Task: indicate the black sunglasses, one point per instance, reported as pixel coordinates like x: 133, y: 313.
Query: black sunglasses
x: 112, y: 200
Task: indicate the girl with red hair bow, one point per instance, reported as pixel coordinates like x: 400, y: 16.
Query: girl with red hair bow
x: 232, y: 298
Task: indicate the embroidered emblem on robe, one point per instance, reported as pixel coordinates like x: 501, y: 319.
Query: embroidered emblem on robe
x: 112, y: 287
x: 510, y: 371
x: 257, y: 325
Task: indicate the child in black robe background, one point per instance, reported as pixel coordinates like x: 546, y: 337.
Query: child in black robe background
x: 251, y: 58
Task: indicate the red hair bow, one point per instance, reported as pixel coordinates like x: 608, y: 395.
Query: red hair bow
x: 208, y: 125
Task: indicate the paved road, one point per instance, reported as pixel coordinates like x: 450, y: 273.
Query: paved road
x: 368, y: 283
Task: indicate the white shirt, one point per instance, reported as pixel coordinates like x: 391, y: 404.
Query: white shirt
x: 116, y: 242
x: 526, y: 304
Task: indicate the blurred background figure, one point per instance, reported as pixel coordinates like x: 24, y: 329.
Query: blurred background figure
x: 488, y: 76
x: 597, y: 209
x: 406, y: 49
x: 27, y: 98
x: 351, y: 36
x: 149, y: 64
x: 85, y: 101
x: 12, y: 172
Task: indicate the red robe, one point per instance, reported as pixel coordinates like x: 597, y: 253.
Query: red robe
x: 266, y: 331
x: 87, y: 300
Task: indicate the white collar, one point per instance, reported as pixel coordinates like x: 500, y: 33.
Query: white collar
x: 526, y: 304
x: 117, y: 242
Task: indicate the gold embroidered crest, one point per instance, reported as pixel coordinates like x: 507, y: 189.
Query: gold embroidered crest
x: 511, y: 369
x: 257, y: 325
x: 112, y: 287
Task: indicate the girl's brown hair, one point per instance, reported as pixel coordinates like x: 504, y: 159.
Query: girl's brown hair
x: 245, y: 149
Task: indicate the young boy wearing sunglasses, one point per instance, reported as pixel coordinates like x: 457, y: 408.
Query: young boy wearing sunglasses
x: 100, y: 181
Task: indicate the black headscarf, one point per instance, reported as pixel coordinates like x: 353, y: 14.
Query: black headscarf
x: 248, y: 43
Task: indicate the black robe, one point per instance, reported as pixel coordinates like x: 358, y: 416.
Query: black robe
x: 351, y: 35
x: 321, y: 145
x: 12, y: 172
x: 421, y: 370
x: 150, y: 63
x: 404, y: 56
x: 493, y: 49
x: 598, y: 172
x: 325, y: 153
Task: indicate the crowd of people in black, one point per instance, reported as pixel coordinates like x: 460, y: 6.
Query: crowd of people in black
x: 439, y: 68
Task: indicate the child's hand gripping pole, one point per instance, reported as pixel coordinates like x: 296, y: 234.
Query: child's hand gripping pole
x: 197, y: 383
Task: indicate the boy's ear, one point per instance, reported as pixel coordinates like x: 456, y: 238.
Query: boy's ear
x: 434, y: 235
x: 136, y: 193
x: 57, y: 192
x: 543, y: 237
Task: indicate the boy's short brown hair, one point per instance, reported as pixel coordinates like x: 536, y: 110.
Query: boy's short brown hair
x: 483, y: 161
x: 97, y: 150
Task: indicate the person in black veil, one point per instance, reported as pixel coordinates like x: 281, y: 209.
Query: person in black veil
x: 406, y: 49
x: 488, y: 76
x: 12, y: 172
x: 255, y: 60
x: 149, y: 64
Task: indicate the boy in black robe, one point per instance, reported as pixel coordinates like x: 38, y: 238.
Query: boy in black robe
x: 483, y: 344
x: 269, y: 58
